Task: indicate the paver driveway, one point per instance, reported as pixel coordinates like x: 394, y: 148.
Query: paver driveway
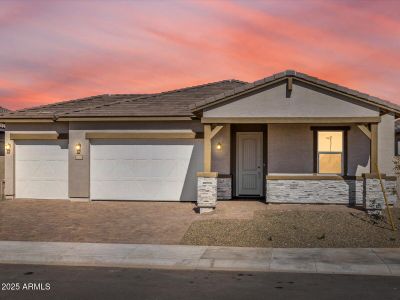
x: 109, y: 221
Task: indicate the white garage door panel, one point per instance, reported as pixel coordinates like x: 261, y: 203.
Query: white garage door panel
x: 144, y: 170
x: 41, y: 169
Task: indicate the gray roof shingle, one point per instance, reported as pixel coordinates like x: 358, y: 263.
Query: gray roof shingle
x: 171, y: 103
x: 51, y: 110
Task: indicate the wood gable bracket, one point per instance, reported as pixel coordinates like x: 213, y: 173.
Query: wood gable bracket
x: 365, y: 130
x: 289, y: 87
x: 215, y: 131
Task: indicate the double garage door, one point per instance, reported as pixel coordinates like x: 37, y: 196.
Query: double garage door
x: 119, y: 169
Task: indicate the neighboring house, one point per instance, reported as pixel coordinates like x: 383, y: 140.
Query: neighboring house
x: 289, y: 137
x: 2, y: 130
x: 397, y: 137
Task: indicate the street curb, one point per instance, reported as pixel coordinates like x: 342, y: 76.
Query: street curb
x: 349, y: 261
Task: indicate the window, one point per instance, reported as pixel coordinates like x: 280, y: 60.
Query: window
x: 330, y: 152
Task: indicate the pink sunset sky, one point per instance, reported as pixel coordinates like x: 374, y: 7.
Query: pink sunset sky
x: 59, y: 50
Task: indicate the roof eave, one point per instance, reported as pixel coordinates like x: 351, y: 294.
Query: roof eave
x: 125, y: 118
x: 26, y: 120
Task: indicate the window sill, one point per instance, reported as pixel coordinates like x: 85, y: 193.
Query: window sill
x: 311, y: 177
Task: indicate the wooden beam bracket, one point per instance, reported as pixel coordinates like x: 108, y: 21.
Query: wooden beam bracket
x: 215, y: 131
x: 365, y: 130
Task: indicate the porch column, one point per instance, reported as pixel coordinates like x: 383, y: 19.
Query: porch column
x: 374, y: 148
x: 373, y: 195
x: 207, y: 148
x: 207, y: 180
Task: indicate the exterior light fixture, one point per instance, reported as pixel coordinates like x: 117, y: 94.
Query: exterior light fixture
x: 219, y: 146
x: 78, y: 148
x: 8, y: 148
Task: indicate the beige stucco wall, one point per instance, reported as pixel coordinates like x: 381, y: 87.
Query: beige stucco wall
x: 386, y: 146
x: 304, y: 101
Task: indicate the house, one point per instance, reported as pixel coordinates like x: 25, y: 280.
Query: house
x: 289, y: 137
x: 2, y: 130
x: 397, y: 137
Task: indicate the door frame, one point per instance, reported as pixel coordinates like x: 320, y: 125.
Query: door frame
x: 261, y: 159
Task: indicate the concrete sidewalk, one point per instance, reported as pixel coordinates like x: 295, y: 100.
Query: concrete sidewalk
x: 365, y: 261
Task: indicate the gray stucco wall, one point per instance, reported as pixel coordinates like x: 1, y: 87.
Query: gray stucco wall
x: 290, y: 148
x: 221, y: 159
x: 386, y: 146
x: 79, y: 169
x: 304, y: 101
x: 358, y: 152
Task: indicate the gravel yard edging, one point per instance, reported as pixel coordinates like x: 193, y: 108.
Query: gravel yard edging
x: 351, y: 228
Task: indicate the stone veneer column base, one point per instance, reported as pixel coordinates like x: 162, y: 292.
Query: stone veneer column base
x: 79, y: 199
x: 374, y: 201
x: 207, y: 191
x: 204, y: 210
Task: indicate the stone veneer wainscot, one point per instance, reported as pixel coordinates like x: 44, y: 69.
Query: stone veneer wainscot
x: 326, y: 189
x: 224, y: 187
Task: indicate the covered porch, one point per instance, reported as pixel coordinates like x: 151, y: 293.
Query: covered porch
x: 292, y: 138
x: 297, y: 160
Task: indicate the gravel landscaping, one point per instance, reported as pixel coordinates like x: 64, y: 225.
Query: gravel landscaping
x: 297, y: 227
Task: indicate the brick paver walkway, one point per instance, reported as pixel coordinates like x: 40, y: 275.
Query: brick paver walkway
x: 108, y: 222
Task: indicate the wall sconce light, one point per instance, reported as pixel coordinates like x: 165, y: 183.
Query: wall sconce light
x: 78, y: 148
x: 219, y: 146
x: 8, y: 148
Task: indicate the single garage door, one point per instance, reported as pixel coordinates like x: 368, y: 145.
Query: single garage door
x: 145, y: 169
x: 41, y: 169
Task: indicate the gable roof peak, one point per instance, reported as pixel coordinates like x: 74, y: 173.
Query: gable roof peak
x: 375, y: 101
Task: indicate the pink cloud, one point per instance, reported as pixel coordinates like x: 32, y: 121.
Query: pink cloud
x: 64, y: 50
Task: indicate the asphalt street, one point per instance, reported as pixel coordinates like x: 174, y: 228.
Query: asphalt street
x: 59, y: 282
